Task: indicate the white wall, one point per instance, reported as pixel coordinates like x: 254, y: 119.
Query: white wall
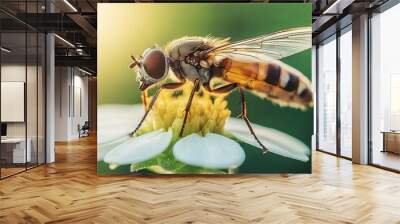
x: 62, y: 82
x: 80, y: 105
x: 71, y: 102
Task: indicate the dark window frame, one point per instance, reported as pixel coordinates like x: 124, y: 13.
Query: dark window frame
x: 337, y: 35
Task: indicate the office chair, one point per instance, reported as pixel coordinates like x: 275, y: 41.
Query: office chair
x: 84, y: 130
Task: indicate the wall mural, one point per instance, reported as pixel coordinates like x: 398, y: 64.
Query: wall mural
x: 204, y: 88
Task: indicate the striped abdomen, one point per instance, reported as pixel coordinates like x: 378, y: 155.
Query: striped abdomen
x: 274, y: 80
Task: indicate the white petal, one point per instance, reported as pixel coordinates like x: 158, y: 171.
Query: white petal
x: 115, y: 121
x: 212, y: 151
x: 104, y: 148
x: 139, y: 149
x: 276, y: 141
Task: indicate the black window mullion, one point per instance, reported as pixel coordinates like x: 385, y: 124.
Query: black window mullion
x: 0, y: 97
x: 316, y: 103
x: 37, y: 90
x: 338, y: 73
x: 369, y: 100
x: 26, y: 87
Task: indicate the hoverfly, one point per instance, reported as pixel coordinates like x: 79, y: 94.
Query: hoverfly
x: 252, y: 64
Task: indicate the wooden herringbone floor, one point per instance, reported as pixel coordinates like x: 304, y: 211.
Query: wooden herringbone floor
x: 69, y: 191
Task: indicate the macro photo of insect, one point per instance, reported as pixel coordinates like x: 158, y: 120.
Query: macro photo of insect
x: 225, y: 93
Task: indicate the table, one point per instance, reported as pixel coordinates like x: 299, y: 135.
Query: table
x: 391, y: 141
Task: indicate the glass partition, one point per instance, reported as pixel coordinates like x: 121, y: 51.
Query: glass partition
x: 385, y: 89
x: 346, y: 93
x: 14, y: 153
x: 327, y: 95
x: 23, y: 91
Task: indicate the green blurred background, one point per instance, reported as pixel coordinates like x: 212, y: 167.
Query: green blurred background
x: 128, y: 29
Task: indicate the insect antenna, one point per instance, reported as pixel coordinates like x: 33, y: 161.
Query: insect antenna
x: 134, y: 62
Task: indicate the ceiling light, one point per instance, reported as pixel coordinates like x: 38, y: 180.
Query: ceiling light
x: 331, y: 7
x: 84, y: 71
x: 70, y: 5
x: 65, y: 41
x: 5, y: 50
x: 337, y: 7
x: 80, y: 51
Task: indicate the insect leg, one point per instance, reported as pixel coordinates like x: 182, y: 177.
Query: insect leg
x: 229, y: 87
x: 189, y: 104
x: 222, y: 89
x: 173, y: 85
x: 244, y: 116
x: 153, y: 100
x: 144, y: 99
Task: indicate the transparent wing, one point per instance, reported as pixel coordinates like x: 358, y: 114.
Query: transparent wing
x: 275, y: 45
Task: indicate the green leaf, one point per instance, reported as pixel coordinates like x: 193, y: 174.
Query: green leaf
x: 104, y: 168
x: 143, y: 165
x: 199, y: 170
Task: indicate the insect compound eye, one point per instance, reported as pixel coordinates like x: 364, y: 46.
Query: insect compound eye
x: 155, y: 64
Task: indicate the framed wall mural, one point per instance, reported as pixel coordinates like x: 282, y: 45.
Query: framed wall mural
x: 204, y: 88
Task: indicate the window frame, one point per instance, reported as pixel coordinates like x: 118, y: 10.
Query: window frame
x: 338, y: 34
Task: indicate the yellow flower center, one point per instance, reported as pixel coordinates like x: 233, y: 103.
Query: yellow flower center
x: 207, y: 113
